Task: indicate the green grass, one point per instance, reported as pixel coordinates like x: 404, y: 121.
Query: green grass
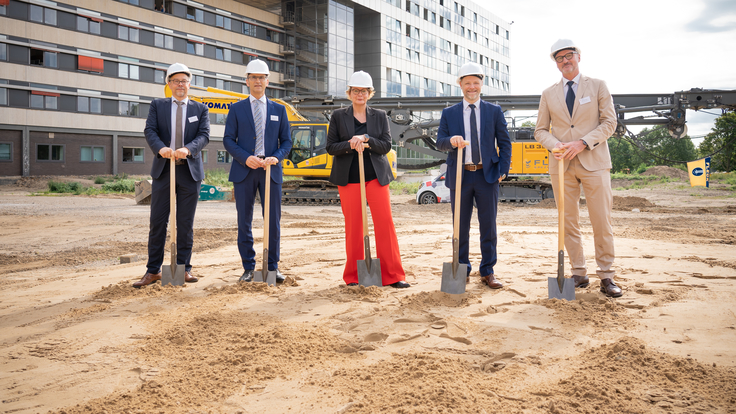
x: 638, y: 181
x: 218, y: 178
x: 725, y: 178
x: 113, y: 186
x: 397, y: 187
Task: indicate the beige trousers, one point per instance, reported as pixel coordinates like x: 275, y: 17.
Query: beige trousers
x: 599, y: 199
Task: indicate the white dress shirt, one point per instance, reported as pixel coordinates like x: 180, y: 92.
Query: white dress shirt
x: 466, y: 120
x: 264, y: 111
x: 574, y: 86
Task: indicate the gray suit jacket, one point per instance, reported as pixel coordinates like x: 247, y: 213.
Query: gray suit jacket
x: 342, y: 129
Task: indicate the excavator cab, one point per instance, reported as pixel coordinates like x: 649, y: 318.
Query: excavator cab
x: 308, y: 157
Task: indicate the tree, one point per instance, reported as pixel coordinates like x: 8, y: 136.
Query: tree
x: 660, y: 148
x: 723, y: 135
x: 624, y: 157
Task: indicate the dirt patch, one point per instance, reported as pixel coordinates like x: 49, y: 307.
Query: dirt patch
x: 630, y: 203
x: 669, y: 172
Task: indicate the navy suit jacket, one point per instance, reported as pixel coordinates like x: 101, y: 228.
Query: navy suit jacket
x: 196, y: 134
x: 492, y: 128
x: 240, y: 138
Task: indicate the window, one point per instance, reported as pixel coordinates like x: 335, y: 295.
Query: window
x: 433, y: 18
x: 222, y: 84
x: 128, y: 33
x: 220, y: 119
x: 162, y: 40
x: 223, y: 54
x: 43, y: 15
x: 195, y: 14
x: 43, y: 58
x: 132, y: 154
x: 249, y: 29
x: 92, y: 154
x: 462, y: 11
x: 3, y: 12
x: 44, y: 100
x: 128, y: 71
x: 85, y: 104
x: 224, y: 22
x: 133, y: 2
x: 6, y: 151
x: 197, y: 80
x: 3, y: 96
x: 194, y: 48
x: 48, y: 152
x: 89, y: 25
x: 90, y: 64
x: 3, y: 51
x: 159, y: 76
x: 224, y: 157
x: 204, y: 156
x: 128, y: 108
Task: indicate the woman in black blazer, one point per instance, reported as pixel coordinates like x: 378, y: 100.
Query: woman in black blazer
x: 349, y: 129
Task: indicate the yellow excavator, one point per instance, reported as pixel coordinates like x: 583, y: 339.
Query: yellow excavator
x: 308, y: 159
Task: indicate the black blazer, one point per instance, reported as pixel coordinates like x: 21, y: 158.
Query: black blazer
x: 342, y: 129
x: 196, y: 134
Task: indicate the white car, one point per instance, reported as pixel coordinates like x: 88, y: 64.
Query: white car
x: 433, y: 191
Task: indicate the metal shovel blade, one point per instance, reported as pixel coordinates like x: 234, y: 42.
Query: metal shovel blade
x: 369, y: 272
x: 561, y: 287
x: 270, y: 278
x: 454, y: 282
x: 173, y: 275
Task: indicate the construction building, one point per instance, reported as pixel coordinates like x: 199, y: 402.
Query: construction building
x: 77, y: 77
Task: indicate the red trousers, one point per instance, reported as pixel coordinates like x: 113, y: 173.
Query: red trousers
x: 386, y: 243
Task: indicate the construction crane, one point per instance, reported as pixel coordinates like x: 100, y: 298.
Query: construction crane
x: 414, y: 123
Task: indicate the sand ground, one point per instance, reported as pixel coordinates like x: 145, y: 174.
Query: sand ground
x: 75, y: 337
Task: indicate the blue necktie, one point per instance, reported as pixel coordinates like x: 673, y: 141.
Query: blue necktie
x: 474, y: 144
x: 570, y: 98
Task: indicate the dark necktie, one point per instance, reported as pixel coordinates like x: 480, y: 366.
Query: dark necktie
x: 474, y: 144
x: 179, y: 114
x: 570, y: 98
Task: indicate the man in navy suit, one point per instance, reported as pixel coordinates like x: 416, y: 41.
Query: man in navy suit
x: 177, y: 129
x: 479, y: 128
x: 257, y: 134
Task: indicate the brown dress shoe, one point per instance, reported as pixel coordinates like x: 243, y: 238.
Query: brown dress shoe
x: 189, y: 278
x: 610, y: 288
x: 581, y: 281
x: 491, y: 281
x: 147, y: 279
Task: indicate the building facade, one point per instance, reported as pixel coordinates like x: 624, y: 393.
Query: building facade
x: 77, y: 77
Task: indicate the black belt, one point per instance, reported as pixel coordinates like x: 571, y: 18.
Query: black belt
x: 473, y: 167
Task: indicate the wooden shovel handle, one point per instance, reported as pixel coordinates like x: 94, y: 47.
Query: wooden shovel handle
x: 172, y: 204
x: 456, y: 199
x: 560, y: 201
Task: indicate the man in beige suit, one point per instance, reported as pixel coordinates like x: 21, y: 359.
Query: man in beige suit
x: 577, y: 115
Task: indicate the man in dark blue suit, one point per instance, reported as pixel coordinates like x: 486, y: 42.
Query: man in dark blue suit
x: 480, y: 128
x: 177, y: 129
x: 257, y: 134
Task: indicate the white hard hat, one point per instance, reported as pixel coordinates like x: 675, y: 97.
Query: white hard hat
x: 257, y: 67
x: 562, y: 44
x: 360, y: 79
x: 470, y: 68
x: 177, y: 68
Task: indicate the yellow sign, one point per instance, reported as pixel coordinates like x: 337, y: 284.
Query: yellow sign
x: 699, y: 171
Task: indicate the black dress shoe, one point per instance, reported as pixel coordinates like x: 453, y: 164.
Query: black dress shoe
x: 247, y: 276
x: 610, y: 288
x: 400, y: 285
x: 279, y: 277
x: 352, y: 284
x: 581, y: 281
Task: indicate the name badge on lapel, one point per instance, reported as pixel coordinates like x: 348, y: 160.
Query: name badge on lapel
x: 275, y: 118
x: 193, y: 119
x: 584, y: 100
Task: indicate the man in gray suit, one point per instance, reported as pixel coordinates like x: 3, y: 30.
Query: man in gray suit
x: 576, y: 114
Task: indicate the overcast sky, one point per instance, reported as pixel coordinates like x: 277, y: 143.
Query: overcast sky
x: 636, y: 46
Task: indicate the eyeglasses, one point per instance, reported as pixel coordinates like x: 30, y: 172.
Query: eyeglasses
x: 179, y: 82
x: 257, y: 78
x: 567, y: 56
x: 361, y: 91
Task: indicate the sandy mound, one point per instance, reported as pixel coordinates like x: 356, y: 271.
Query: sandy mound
x: 669, y: 172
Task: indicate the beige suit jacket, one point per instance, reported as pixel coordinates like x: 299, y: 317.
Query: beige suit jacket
x: 593, y: 120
